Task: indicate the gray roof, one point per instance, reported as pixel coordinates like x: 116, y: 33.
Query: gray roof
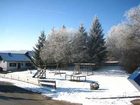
x: 14, y: 57
x: 30, y: 53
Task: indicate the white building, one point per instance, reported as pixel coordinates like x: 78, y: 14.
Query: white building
x: 14, y: 61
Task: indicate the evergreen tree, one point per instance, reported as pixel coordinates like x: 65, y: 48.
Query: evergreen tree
x: 83, y: 33
x: 37, y: 50
x: 97, y: 49
x: 79, y: 49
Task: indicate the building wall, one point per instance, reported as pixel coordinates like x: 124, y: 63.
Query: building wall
x: 3, y: 64
x: 17, y: 66
x: 11, y: 67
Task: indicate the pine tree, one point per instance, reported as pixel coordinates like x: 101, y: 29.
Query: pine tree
x: 37, y: 50
x: 84, y: 46
x: 79, y: 52
x: 83, y: 33
x: 97, y: 49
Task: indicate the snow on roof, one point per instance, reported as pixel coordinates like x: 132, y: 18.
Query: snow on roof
x: 14, y: 57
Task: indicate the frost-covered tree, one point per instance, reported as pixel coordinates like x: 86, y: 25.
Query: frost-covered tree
x: 79, y: 46
x: 56, y: 49
x: 37, y: 49
x: 61, y: 42
x: 97, y: 49
x: 123, y: 40
x: 48, y: 51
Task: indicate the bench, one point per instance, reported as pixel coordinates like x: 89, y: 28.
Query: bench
x: 47, y: 83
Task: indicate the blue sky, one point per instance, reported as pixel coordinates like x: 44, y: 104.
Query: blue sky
x: 21, y: 21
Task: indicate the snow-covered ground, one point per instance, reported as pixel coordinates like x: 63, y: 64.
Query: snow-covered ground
x: 111, y: 87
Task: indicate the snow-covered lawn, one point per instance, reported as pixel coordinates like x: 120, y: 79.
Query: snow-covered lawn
x: 111, y: 87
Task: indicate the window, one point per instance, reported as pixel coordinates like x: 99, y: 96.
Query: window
x: 0, y: 58
x: 28, y: 64
x: 12, y: 64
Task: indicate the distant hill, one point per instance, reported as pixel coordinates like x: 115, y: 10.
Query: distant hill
x: 15, y: 51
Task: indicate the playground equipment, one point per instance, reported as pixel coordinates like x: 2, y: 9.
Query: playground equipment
x: 134, y: 78
x: 40, y: 74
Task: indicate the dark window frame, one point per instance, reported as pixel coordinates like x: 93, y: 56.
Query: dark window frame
x: 12, y: 64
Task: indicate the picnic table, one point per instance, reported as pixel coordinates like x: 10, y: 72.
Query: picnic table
x: 78, y: 77
x: 75, y: 77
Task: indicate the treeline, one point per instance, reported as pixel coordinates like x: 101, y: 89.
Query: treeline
x: 78, y: 46
x: 63, y: 46
x: 123, y: 41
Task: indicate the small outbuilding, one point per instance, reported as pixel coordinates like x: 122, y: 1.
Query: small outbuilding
x: 14, y: 61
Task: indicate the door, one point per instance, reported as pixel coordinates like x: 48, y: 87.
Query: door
x: 19, y: 66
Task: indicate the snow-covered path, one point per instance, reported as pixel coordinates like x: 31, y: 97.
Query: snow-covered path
x: 79, y: 92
